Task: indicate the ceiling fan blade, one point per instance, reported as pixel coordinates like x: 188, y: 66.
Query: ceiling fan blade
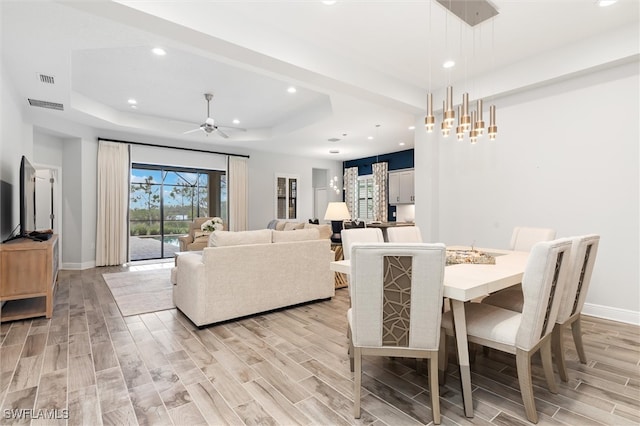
x: 239, y: 129
x: 191, y: 131
x: 221, y: 133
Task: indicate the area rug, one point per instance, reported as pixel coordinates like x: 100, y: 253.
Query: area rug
x: 141, y: 292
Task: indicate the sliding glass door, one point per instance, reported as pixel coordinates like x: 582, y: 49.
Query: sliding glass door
x: 164, y: 200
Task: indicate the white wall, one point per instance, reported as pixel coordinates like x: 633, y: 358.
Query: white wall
x: 262, y: 171
x: 566, y: 157
x: 15, y: 141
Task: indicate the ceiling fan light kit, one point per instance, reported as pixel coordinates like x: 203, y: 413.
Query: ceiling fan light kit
x: 209, y: 125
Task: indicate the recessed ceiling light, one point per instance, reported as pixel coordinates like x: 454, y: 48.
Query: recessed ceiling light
x: 334, y: 151
x: 236, y: 121
x: 329, y: 2
x: 132, y: 101
x: 448, y: 64
x: 292, y: 89
x: 412, y: 127
x: 159, y: 51
x: 605, y: 3
x: 369, y: 137
x: 401, y: 144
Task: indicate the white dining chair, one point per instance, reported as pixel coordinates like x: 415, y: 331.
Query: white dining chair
x: 396, y: 308
x: 359, y: 235
x: 523, y: 333
x: 404, y: 234
x: 583, y: 255
x: 524, y: 238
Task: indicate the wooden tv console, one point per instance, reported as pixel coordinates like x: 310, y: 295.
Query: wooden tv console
x: 28, y: 274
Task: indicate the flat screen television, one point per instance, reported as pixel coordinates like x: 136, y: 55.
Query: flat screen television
x: 27, y: 197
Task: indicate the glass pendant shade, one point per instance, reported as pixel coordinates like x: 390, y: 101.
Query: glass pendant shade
x: 473, y: 133
x: 460, y: 128
x: 445, y: 129
x: 479, y: 121
x: 465, y: 119
x: 449, y: 114
x: 429, y: 120
x: 492, y: 130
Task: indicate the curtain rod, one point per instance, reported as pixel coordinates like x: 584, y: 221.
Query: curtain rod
x: 174, y: 147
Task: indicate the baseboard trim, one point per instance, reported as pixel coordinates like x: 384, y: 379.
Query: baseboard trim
x: 79, y: 266
x: 610, y: 313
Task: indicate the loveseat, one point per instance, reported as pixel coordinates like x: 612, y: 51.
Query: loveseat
x: 249, y: 272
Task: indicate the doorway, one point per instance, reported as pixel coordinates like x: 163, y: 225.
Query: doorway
x: 164, y: 200
x: 49, y: 201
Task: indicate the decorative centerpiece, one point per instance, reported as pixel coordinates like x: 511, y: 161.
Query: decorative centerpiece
x: 455, y: 257
x: 213, y: 224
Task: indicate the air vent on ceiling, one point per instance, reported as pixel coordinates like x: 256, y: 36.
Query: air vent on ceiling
x: 47, y: 79
x: 46, y: 104
x: 471, y: 12
x: 333, y: 139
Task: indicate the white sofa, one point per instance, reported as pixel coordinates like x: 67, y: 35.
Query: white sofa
x: 244, y: 273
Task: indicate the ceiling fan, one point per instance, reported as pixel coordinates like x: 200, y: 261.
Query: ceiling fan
x: 209, y: 125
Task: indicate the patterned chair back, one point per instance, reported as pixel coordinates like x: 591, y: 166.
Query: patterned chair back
x: 396, y: 294
x: 583, y: 255
x: 542, y: 287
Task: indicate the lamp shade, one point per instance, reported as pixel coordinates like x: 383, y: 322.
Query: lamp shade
x: 337, y: 211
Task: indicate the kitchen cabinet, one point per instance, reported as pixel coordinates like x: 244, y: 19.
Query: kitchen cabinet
x: 401, y: 187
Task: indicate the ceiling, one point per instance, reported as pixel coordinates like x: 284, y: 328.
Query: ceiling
x: 361, y: 68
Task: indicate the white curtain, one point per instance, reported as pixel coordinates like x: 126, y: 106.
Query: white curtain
x: 351, y: 190
x: 380, y: 173
x: 113, y: 203
x: 238, y: 193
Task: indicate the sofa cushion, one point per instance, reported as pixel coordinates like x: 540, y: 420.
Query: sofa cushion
x: 290, y: 226
x: 230, y: 238
x: 295, y: 235
x: 324, y: 229
x: 201, y: 236
x: 280, y: 225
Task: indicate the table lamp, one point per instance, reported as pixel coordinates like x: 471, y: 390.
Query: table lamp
x: 336, y: 213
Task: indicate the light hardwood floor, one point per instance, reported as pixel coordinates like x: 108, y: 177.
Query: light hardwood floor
x: 285, y: 367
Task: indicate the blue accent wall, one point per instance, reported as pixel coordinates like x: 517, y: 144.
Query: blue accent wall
x: 395, y: 160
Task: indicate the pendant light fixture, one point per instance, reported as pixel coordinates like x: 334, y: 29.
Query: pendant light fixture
x: 468, y: 121
x: 460, y: 128
x: 429, y: 120
x: 493, y: 129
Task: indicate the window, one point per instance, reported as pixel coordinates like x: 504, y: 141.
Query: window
x: 164, y: 200
x: 286, y: 197
x: 365, y: 197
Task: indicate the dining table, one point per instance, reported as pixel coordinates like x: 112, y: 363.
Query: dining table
x: 464, y: 282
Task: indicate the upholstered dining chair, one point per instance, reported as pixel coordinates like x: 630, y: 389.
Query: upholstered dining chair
x: 524, y: 238
x: 523, y: 333
x: 359, y: 235
x: 583, y: 255
x: 404, y: 234
x: 396, y: 308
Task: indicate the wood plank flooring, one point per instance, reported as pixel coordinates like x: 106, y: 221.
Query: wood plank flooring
x: 88, y: 365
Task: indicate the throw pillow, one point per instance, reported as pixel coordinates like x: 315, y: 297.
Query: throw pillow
x: 324, y: 229
x: 295, y: 235
x: 230, y: 238
x: 201, y: 236
x: 290, y: 226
